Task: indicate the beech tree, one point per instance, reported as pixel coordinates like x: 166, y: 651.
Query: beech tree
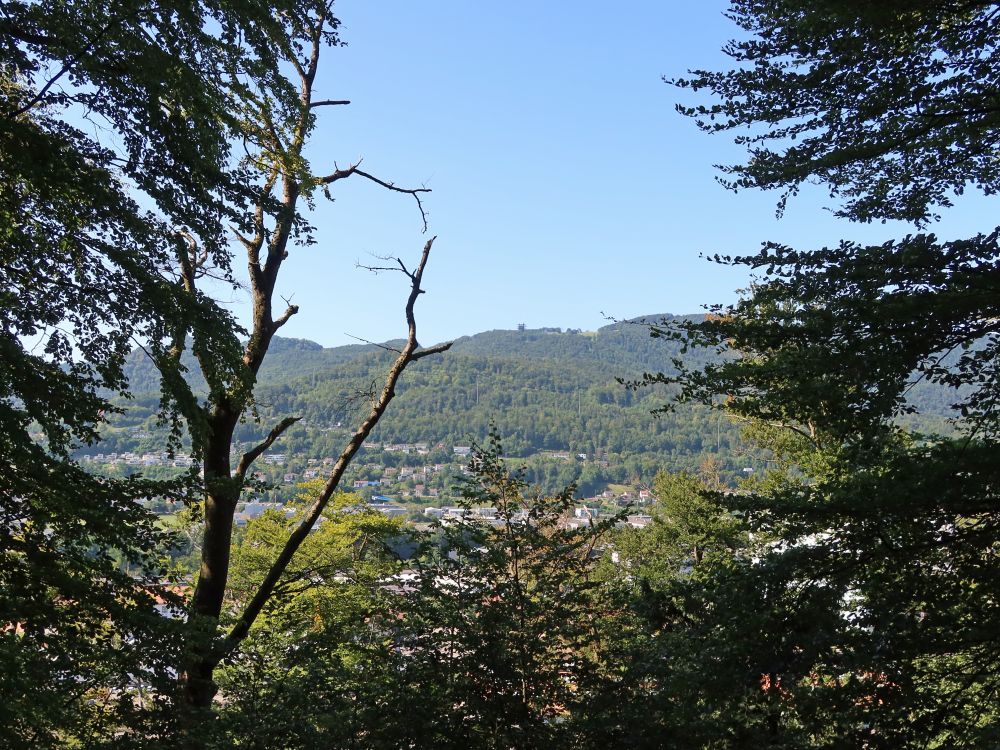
x: 115, y: 137
x: 275, y: 129
x: 891, y: 105
x: 138, y: 140
x: 884, y: 578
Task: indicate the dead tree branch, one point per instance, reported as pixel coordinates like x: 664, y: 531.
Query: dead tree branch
x: 290, y: 310
x: 277, y: 139
x: 410, y: 353
x: 254, y: 453
x: 355, y: 169
x: 372, y: 343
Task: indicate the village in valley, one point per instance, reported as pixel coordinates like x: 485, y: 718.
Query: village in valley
x: 414, y: 481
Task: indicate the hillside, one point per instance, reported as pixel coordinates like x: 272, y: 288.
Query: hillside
x: 536, y: 375
x: 545, y: 389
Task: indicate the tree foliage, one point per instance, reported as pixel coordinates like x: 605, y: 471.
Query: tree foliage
x: 891, y: 105
x: 879, y: 585
x: 114, y: 151
x: 500, y: 624
x: 675, y: 675
x: 137, y: 138
x: 481, y: 632
x: 314, y: 668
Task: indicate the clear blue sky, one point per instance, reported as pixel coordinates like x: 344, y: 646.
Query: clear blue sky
x: 564, y: 183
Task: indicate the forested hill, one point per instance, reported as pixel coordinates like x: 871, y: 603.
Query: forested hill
x: 625, y: 345
x: 546, y: 389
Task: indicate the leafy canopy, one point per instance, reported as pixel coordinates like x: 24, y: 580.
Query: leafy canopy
x: 891, y: 105
x: 115, y: 156
x: 872, y: 601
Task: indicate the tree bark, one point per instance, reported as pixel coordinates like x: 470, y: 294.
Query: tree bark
x: 222, y: 493
x: 272, y: 223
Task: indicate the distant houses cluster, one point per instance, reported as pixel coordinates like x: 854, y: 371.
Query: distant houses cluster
x: 420, y: 449
x: 277, y: 473
x: 582, y: 516
x: 138, y: 459
x: 250, y: 510
x: 280, y: 459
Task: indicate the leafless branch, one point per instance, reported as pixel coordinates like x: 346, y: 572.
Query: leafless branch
x: 408, y: 354
x: 415, y: 192
x: 330, y: 102
x: 141, y: 347
x: 244, y: 240
x: 436, y: 349
x: 290, y: 310
x: 372, y: 343
x: 368, y: 395
x: 355, y: 169
x: 400, y: 266
x: 338, y: 173
x: 251, y: 455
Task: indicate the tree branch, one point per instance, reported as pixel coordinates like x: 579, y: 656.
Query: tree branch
x: 408, y: 354
x: 254, y: 453
x: 329, y: 102
x: 415, y: 192
x: 372, y: 343
x: 437, y: 349
x: 289, y: 312
x: 340, y: 174
x: 70, y: 62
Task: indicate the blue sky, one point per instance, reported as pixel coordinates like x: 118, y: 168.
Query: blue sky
x: 565, y: 186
